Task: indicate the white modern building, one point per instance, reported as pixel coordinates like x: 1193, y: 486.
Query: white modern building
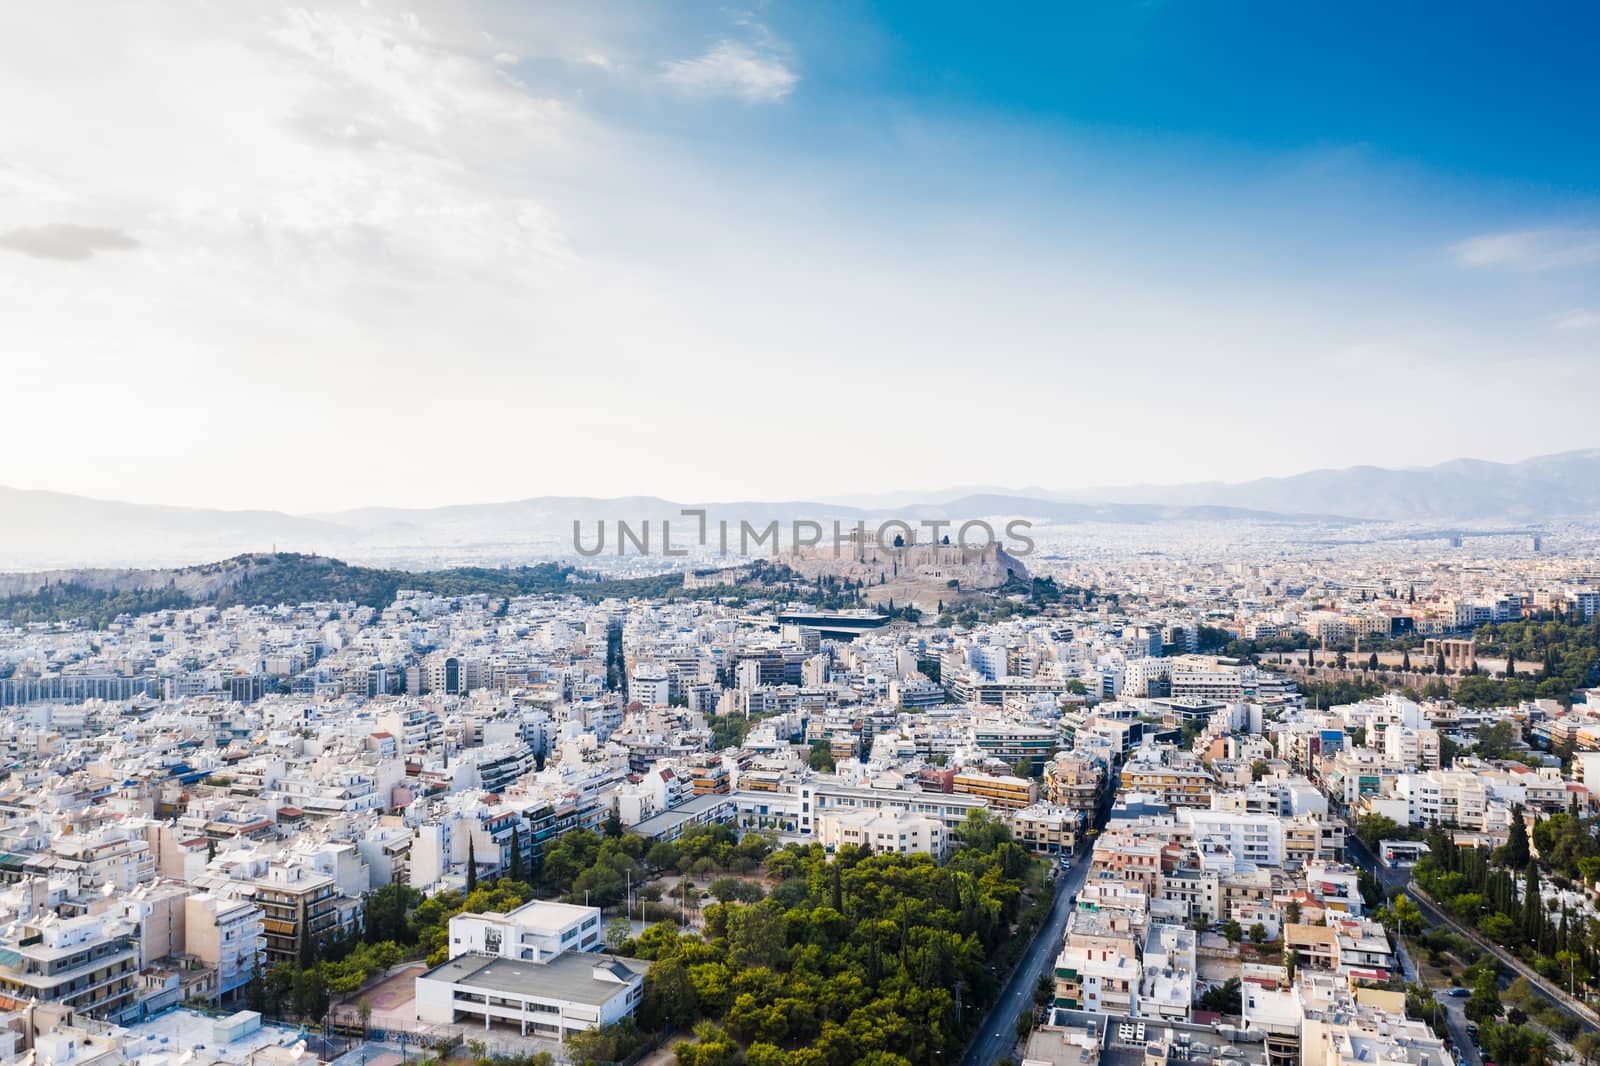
x: 531, y: 970
x: 537, y: 931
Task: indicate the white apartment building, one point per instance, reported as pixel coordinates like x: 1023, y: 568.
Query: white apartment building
x: 1408, y: 748
x: 1234, y: 839
x: 1449, y: 797
x: 1166, y: 988
x: 894, y: 831
x: 227, y: 935
x: 650, y: 687
x: 1208, y: 678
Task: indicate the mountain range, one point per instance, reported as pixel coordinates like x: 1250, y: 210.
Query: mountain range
x: 48, y: 529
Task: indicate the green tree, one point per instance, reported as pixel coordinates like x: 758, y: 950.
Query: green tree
x: 1514, y: 852
x: 1484, y: 1003
x: 1532, y: 906
x: 1403, y: 915
x: 472, y: 867
x: 1372, y: 828
x: 1496, y: 741
x: 756, y: 934
x: 514, y: 867
x: 1226, y: 998
x: 670, y: 1000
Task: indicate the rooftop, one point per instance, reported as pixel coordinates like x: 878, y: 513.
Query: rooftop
x: 567, y: 977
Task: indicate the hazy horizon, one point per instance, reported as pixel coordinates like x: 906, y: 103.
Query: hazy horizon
x: 861, y: 498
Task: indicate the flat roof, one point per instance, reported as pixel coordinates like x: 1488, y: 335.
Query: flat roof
x: 567, y: 977
x: 679, y: 814
x: 182, y: 1030
x: 546, y: 916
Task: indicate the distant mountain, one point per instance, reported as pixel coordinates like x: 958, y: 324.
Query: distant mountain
x: 1067, y: 512
x: 41, y: 530
x: 1550, y: 486
x: 50, y: 529
x: 46, y: 530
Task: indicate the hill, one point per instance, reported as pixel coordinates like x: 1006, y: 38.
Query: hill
x: 99, y: 596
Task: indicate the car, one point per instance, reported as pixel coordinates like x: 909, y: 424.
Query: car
x: 1459, y: 993
x: 1066, y: 862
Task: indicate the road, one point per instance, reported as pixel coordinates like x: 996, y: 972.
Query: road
x: 1550, y: 991
x: 1390, y: 877
x: 1456, y: 1021
x: 998, y: 1033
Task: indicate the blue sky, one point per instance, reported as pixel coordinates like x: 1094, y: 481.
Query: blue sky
x: 1470, y: 89
x: 581, y: 248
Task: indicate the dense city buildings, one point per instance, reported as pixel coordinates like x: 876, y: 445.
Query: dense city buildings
x: 1202, y: 757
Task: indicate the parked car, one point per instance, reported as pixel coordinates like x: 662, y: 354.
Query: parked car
x: 1459, y: 993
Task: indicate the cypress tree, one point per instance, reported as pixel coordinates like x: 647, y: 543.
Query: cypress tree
x: 1515, y: 852
x: 515, y: 868
x: 1532, y: 907
x: 472, y: 869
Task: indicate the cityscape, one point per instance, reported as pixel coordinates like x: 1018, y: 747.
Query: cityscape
x: 799, y: 535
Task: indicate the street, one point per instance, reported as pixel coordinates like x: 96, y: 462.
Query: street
x: 1456, y: 1020
x: 999, y: 1029
x: 1395, y: 880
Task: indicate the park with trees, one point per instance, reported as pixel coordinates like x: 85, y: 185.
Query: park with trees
x: 793, y: 956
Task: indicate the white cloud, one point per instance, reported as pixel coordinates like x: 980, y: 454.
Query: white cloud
x: 378, y: 263
x: 1554, y: 248
x: 734, y: 69
x: 65, y: 241
x: 1579, y: 319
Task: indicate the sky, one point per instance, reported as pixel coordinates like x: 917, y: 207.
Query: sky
x: 320, y: 257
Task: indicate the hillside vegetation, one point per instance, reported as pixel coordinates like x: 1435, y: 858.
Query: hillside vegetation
x: 99, y: 597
